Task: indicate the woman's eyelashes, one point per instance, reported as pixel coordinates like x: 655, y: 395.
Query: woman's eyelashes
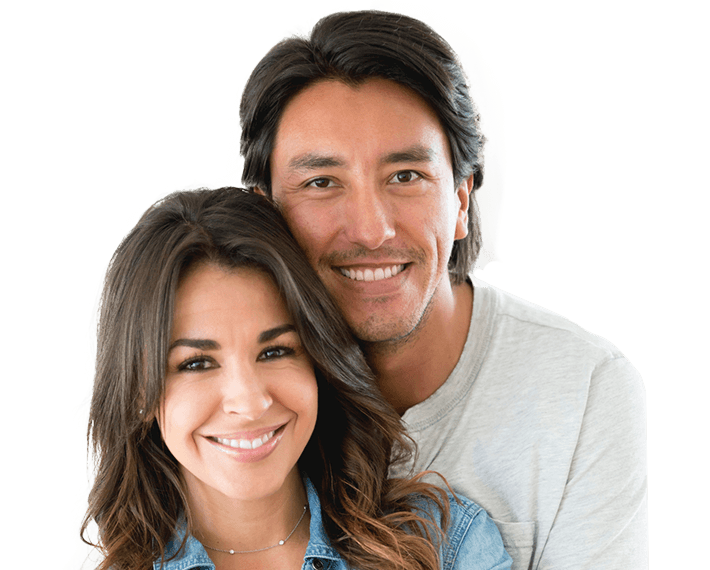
x: 197, y: 364
x: 202, y: 362
x: 277, y: 352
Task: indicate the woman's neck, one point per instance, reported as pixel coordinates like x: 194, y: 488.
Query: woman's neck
x: 226, y: 523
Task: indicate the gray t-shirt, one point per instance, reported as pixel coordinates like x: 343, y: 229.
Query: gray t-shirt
x: 542, y: 424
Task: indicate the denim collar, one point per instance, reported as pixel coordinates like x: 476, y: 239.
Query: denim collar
x: 194, y: 556
x: 319, y: 545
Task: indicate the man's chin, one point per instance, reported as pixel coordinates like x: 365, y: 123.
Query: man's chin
x: 380, y: 334
x: 384, y: 336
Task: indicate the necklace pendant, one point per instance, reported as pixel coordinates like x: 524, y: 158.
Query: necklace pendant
x: 231, y: 551
x: 281, y: 542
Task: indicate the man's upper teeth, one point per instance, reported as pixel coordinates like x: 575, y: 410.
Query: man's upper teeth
x: 371, y: 275
x: 246, y: 443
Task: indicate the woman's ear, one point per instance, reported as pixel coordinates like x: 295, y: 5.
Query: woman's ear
x: 146, y: 416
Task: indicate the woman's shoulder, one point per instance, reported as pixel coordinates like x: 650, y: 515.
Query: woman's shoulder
x: 463, y: 512
x: 473, y: 541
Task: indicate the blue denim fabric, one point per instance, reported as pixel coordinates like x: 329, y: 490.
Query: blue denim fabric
x: 473, y: 543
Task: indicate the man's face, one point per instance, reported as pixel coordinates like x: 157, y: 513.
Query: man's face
x: 364, y: 178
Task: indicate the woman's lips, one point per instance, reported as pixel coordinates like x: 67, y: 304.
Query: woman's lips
x: 249, y: 449
x: 246, y: 443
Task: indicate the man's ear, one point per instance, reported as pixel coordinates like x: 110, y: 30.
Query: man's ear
x: 463, y: 193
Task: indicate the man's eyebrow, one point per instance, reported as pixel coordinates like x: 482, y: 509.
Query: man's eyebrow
x: 202, y: 344
x: 312, y: 161
x: 415, y: 153
x: 276, y: 332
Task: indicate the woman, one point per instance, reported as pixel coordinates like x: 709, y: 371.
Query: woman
x: 234, y: 419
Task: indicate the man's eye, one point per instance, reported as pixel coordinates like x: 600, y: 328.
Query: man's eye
x: 320, y: 183
x: 405, y: 176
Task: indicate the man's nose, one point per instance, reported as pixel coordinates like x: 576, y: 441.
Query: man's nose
x: 369, y: 220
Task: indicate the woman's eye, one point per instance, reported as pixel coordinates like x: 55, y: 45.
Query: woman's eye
x: 197, y: 364
x: 405, y: 176
x: 275, y: 352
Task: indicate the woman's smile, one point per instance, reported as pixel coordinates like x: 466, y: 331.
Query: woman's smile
x: 249, y: 450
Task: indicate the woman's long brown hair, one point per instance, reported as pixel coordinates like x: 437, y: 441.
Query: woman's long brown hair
x: 138, y: 498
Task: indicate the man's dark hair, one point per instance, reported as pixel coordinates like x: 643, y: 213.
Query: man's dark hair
x: 353, y: 47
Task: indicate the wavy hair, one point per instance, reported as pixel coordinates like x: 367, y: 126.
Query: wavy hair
x: 138, y: 496
x: 353, y: 47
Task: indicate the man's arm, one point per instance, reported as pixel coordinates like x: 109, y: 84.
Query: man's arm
x: 602, y: 517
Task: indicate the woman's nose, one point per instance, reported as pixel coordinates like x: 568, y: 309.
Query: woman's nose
x: 246, y: 394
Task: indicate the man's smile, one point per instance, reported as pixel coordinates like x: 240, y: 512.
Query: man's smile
x: 371, y: 274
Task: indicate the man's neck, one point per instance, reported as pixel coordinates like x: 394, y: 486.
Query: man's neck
x: 411, y: 370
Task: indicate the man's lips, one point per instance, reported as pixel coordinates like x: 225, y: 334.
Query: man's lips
x: 360, y: 273
x: 359, y: 263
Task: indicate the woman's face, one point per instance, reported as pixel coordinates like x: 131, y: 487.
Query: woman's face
x: 241, y: 398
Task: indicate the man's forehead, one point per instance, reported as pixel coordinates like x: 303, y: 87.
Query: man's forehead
x: 330, y: 120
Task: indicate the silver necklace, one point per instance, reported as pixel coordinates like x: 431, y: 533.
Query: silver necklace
x: 279, y: 543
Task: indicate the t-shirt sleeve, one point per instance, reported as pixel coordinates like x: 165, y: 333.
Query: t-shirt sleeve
x: 601, y: 521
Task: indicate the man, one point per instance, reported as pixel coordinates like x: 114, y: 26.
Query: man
x: 366, y: 137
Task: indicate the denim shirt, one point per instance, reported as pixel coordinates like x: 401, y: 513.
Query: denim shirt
x: 473, y: 543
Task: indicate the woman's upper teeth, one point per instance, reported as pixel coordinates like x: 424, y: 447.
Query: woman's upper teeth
x: 246, y: 443
x: 372, y: 274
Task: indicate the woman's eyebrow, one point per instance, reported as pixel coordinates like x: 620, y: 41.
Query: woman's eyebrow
x: 276, y: 332
x: 202, y: 344
x: 206, y: 344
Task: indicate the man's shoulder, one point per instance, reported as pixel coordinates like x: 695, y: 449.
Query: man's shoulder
x: 517, y: 352
x: 521, y: 322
